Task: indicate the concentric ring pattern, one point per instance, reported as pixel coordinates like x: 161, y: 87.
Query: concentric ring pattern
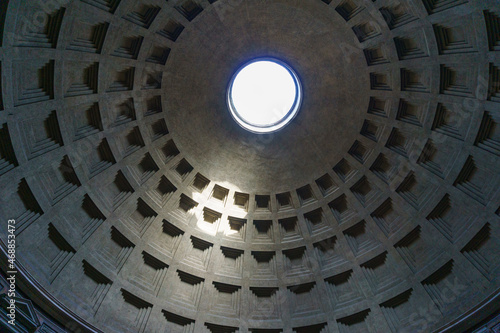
x: 142, y: 207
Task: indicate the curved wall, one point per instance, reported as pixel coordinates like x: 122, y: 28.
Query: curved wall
x: 142, y: 207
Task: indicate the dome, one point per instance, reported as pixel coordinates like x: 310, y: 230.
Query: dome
x: 144, y: 199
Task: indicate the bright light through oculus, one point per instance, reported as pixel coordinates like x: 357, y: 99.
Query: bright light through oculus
x: 263, y: 92
x: 264, y: 95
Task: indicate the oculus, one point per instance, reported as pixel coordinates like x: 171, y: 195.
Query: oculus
x: 264, y: 95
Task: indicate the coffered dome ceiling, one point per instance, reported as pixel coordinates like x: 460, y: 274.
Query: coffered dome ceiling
x: 142, y: 206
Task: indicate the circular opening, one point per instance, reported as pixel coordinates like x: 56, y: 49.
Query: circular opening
x: 264, y: 95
